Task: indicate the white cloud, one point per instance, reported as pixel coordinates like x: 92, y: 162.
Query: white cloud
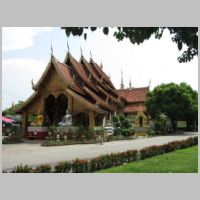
x: 16, y: 78
x: 14, y: 38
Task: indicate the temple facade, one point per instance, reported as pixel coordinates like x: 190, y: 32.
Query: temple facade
x: 83, y: 90
x: 135, y: 108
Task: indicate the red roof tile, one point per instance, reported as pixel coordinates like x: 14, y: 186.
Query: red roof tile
x: 98, y: 99
x: 134, y: 94
x: 102, y: 74
x: 64, y: 69
x: 134, y: 108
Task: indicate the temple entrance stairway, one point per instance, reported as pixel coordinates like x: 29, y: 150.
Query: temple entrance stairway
x: 109, y: 127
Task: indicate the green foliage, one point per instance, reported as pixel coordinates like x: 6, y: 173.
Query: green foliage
x: 80, y: 131
x: 22, y: 169
x: 11, y: 140
x: 165, y: 148
x: 44, y: 168
x: 179, y: 161
x: 80, y: 166
x: 178, y: 102
x: 151, y: 132
x: 122, y: 125
x: 99, y: 130
x: 180, y: 35
x: 11, y: 111
x: 63, y: 167
x: 109, y: 160
x: 160, y: 126
x: 14, y: 135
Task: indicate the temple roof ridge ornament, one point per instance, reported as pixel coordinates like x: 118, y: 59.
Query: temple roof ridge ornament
x: 81, y: 51
x: 101, y: 65
x: 91, y: 56
x: 67, y: 47
x: 51, y: 50
x: 130, y: 83
x: 33, y: 85
x: 122, y: 80
x: 149, y: 83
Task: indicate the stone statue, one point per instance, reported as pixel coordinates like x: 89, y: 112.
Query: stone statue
x: 67, y: 120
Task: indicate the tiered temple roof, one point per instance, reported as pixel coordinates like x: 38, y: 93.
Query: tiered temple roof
x: 135, y: 99
x: 84, y: 80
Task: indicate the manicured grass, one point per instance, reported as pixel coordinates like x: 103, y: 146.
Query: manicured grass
x: 180, y: 161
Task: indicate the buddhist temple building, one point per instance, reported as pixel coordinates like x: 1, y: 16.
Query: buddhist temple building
x: 81, y: 87
x: 84, y: 90
x: 134, y: 107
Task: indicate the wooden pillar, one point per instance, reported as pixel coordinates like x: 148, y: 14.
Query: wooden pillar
x: 104, y: 121
x: 91, y: 119
x: 24, y: 124
x: 44, y: 114
x: 70, y: 105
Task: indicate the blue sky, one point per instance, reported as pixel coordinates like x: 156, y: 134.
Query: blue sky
x: 26, y: 52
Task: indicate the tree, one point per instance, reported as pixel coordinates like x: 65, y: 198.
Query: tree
x: 180, y: 35
x: 11, y: 111
x: 178, y: 102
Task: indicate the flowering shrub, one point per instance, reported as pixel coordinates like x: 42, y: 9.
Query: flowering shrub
x: 44, y: 168
x: 165, y: 148
x: 110, y: 160
x: 22, y: 169
x: 80, y: 166
x: 63, y: 167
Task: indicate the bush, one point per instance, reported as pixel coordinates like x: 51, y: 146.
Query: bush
x: 109, y: 160
x: 44, y: 168
x: 151, y: 132
x: 122, y: 126
x: 80, y: 132
x: 132, y: 155
x: 22, y: 169
x: 115, y: 118
x: 89, y: 133
x: 151, y: 151
x: 80, y: 166
x: 63, y: 167
x: 165, y: 148
x: 11, y: 139
x: 160, y: 126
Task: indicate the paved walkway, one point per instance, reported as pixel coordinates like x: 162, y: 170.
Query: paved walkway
x: 34, y: 154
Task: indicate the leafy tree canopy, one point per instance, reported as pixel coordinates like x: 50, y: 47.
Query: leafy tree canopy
x: 178, y: 102
x: 11, y: 111
x: 180, y: 35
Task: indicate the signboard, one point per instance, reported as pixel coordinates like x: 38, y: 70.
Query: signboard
x: 181, y: 124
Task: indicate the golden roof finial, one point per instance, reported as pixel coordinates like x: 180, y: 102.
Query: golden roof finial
x: 101, y: 65
x: 122, y: 81
x: 130, y: 84
x: 81, y: 51
x: 67, y: 46
x: 90, y: 55
x: 51, y: 48
x: 149, y: 83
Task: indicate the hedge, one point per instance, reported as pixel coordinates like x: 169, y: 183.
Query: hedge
x: 109, y: 160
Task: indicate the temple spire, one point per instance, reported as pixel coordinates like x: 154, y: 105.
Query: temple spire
x: 90, y: 55
x: 122, y: 81
x: 130, y: 84
x: 101, y: 65
x: 67, y: 46
x: 51, y: 48
x: 149, y: 83
x: 81, y: 51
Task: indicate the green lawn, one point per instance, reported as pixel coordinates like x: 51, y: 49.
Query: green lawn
x: 180, y: 161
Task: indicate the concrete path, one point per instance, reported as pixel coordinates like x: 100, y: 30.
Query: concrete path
x: 34, y: 154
